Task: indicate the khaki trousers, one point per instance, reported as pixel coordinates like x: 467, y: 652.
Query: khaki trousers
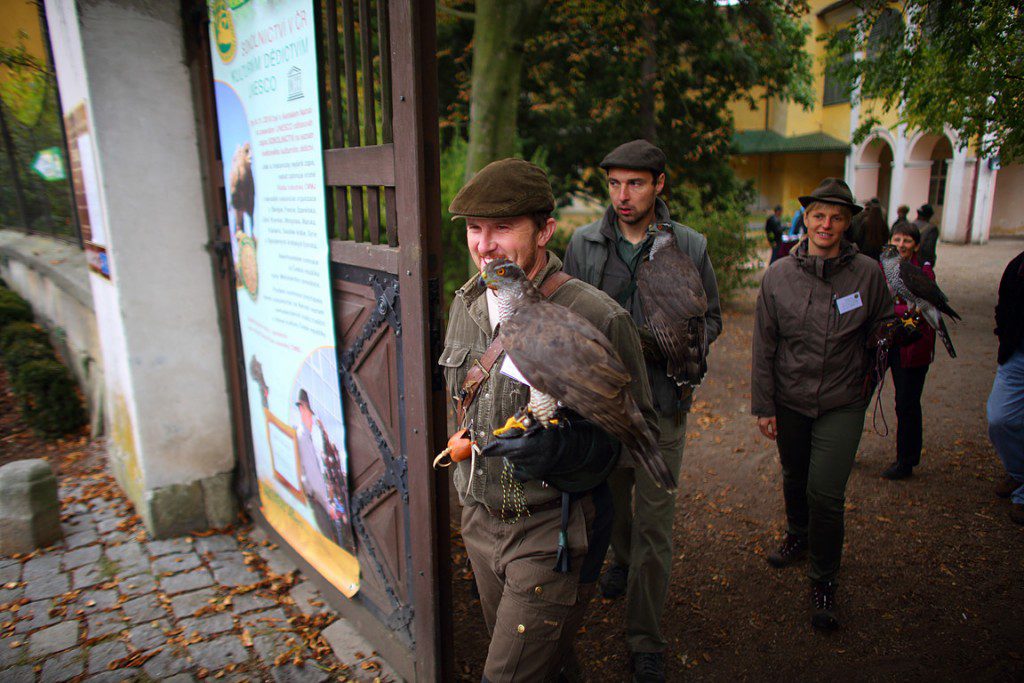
x: 642, y: 537
x: 532, y: 612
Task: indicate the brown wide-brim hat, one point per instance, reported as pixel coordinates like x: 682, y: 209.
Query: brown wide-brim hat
x: 504, y: 189
x: 639, y: 155
x: 832, y: 191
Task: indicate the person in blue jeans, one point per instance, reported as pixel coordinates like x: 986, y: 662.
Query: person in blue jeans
x: 1006, y: 402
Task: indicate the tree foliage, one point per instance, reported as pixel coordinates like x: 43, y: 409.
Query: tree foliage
x: 944, y: 63
x: 600, y: 72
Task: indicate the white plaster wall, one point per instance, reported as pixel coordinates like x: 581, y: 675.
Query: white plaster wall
x: 118, y: 399
x: 157, y: 318
x: 146, y: 137
x: 957, y: 205
x: 1008, y: 201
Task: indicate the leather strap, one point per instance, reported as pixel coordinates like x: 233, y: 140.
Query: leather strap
x: 481, y: 369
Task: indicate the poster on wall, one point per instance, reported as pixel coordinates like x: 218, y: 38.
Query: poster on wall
x: 265, y: 86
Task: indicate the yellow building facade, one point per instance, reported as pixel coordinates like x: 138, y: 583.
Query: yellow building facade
x: 785, y: 151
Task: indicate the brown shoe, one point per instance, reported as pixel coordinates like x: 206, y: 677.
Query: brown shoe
x: 792, y: 550
x: 1006, y: 486
x: 1017, y: 513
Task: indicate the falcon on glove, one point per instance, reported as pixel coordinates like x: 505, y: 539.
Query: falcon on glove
x: 568, y: 362
x: 919, y: 291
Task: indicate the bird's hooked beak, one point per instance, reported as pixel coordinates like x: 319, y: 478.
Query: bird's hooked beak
x: 483, y: 283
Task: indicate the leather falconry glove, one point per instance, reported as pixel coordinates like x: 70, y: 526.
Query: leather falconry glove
x: 573, y: 455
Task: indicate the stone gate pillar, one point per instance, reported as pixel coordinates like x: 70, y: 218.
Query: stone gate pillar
x: 127, y: 99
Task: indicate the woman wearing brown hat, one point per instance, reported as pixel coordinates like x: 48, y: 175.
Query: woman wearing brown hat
x: 809, y: 381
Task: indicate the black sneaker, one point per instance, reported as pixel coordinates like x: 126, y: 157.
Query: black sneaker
x: 648, y: 667
x: 823, y: 606
x: 613, y: 581
x: 897, y: 471
x: 792, y: 550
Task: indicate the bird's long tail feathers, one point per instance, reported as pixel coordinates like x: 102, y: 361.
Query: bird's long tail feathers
x: 642, y: 444
x: 691, y: 370
x: 948, y: 310
x: 944, y: 336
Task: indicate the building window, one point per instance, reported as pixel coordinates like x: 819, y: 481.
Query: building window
x: 837, y: 89
x: 887, y: 30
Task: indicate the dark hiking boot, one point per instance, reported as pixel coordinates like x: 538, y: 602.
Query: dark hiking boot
x: 1006, y: 486
x: 1017, y: 513
x: 792, y: 550
x: 648, y: 667
x: 824, y: 615
x: 896, y: 471
x: 613, y: 581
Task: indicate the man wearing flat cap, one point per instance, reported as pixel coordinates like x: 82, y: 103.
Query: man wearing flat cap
x: 811, y: 381
x: 511, y: 520
x: 606, y: 254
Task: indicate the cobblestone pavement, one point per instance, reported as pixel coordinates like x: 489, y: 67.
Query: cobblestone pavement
x: 107, y: 604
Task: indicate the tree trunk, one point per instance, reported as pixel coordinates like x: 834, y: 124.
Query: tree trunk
x: 648, y: 73
x: 500, y: 30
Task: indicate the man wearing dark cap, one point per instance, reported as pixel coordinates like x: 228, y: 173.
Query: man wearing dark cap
x: 929, y: 234
x: 511, y: 522
x: 811, y: 381
x: 606, y: 254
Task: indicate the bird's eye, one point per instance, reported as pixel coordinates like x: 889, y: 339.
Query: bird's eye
x: 500, y: 271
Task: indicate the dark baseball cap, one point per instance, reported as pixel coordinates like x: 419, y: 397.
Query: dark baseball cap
x: 503, y: 189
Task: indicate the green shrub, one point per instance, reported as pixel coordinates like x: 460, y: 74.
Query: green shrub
x: 13, y: 308
x: 21, y: 330
x: 48, y: 398
x: 22, y: 351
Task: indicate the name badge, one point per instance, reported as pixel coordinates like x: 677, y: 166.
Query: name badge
x: 509, y: 369
x: 850, y: 302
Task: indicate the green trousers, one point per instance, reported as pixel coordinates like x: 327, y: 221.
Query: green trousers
x: 817, y: 455
x: 642, y: 537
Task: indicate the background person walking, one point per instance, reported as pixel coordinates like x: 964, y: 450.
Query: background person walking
x: 809, y: 387
x: 607, y: 254
x: 909, y: 366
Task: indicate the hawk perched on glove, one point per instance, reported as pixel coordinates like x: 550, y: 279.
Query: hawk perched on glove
x: 674, y: 303
x: 911, y: 284
x: 568, y: 361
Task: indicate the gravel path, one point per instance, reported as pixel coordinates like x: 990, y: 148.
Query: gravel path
x: 932, y: 576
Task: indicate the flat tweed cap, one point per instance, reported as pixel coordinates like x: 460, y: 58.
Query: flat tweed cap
x: 636, y: 154
x: 503, y: 189
x: 832, y: 191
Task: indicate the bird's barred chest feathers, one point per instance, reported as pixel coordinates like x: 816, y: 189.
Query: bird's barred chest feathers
x: 506, y: 304
x: 892, y: 274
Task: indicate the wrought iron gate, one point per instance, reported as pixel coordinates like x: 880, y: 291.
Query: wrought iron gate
x: 379, y: 118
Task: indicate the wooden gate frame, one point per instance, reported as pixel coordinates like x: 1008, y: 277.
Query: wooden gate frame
x: 411, y: 166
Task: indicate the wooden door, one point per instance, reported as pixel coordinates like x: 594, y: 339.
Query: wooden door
x: 378, y: 103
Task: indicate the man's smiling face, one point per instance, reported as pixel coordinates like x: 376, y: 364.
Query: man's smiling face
x: 517, y: 238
